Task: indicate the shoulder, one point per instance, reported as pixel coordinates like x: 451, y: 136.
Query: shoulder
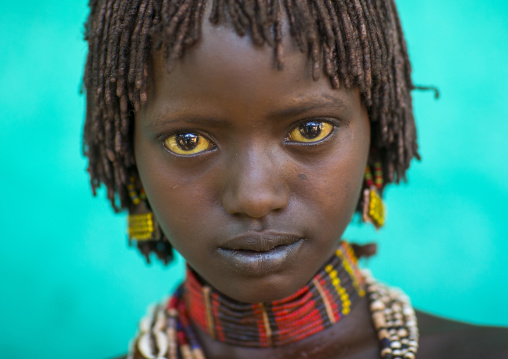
x: 442, y: 338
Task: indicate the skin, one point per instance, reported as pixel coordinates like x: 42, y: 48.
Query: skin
x: 255, y: 179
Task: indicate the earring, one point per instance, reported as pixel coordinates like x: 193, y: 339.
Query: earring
x: 142, y: 225
x: 373, y: 206
x: 144, y: 229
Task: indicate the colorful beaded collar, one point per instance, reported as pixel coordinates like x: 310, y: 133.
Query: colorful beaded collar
x: 330, y: 296
x: 327, y: 298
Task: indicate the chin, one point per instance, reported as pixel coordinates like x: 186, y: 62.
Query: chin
x: 262, y: 290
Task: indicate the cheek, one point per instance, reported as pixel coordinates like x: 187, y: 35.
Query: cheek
x: 333, y: 187
x: 337, y: 191
x: 179, y: 204
x: 183, y: 209
x: 179, y: 198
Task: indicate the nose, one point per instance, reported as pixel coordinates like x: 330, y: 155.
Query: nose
x: 254, y: 184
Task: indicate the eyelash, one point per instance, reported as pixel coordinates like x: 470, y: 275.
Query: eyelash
x: 331, y: 122
x: 162, y: 138
x: 334, y: 123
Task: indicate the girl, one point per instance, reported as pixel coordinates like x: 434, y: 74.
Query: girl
x: 245, y: 134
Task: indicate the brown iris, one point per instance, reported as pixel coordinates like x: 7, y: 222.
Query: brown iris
x: 187, y: 143
x: 311, y: 131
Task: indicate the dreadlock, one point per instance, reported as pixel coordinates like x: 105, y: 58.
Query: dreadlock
x: 353, y: 42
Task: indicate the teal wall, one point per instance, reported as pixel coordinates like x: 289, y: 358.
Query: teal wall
x: 71, y: 287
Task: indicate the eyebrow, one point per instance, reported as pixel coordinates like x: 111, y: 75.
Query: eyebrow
x: 161, y: 120
x: 303, y: 106
x: 307, y: 105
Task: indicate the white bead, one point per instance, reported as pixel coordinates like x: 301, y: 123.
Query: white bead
x: 377, y: 305
x: 145, y: 345
x: 160, y: 322
x: 145, y: 324
x: 411, y: 323
x: 386, y: 351
x: 382, y: 334
x: 162, y: 342
x: 408, y: 311
x: 414, y: 347
x: 397, y: 353
x: 402, y: 333
x: 396, y: 345
x: 379, y: 320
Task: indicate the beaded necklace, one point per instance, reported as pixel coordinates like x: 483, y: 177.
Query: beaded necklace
x: 329, y: 296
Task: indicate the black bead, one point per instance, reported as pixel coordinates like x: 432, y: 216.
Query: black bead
x: 385, y: 343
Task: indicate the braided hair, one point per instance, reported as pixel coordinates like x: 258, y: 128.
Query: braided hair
x: 355, y: 43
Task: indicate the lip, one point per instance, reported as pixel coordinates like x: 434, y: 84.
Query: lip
x: 260, y: 253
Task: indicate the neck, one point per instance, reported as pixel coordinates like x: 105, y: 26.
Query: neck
x: 324, y: 301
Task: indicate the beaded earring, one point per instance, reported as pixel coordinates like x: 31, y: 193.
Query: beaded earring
x: 142, y: 225
x: 373, y: 206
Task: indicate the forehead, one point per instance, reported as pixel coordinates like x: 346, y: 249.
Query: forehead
x: 221, y: 56
x: 224, y: 70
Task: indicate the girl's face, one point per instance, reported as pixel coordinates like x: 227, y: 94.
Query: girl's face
x: 253, y: 173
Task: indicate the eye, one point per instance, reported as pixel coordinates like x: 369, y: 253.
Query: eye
x: 188, y: 143
x: 311, y: 131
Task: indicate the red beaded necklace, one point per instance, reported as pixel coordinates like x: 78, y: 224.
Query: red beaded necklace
x: 322, y: 302
x: 330, y: 295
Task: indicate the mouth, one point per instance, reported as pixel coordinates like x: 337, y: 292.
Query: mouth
x: 260, y: 254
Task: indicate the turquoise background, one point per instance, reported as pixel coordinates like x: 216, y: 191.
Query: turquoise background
x: 71, y: 288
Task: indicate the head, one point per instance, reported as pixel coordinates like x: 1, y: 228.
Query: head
x: 247, y: 122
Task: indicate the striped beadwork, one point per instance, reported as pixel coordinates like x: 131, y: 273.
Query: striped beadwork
x: 373, y: 207
x: 323, y: 302
x: 142, y: 227
x: 167, y: 333
x: 377, y: 180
